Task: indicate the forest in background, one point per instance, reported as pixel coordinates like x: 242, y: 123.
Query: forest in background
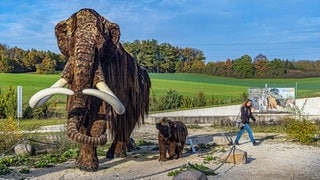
x: 165, y: 58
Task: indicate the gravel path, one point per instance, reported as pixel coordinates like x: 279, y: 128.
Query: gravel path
x: 272, y: 159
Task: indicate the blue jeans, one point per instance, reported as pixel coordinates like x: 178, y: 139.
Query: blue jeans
x: 245, y: 127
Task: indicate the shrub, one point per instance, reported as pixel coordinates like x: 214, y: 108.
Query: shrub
x: 186, y: 102
x: 199, y: 100
x: 8, y: 103
x: 11, y: 135
x: 47, y: 110
x: 171, y: 100
x: 303, y: 130
x: 213, y: 100
x: 153, y: 102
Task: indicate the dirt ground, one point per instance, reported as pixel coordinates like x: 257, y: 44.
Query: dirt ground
x: 272, y: 159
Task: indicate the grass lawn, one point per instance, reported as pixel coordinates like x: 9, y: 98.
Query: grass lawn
x: 186, y: 84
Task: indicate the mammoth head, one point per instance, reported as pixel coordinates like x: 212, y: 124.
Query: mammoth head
x: 87, y: 40
x: 165, y: 127
x: 90, y: 28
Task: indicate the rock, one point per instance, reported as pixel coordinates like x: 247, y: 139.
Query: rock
x: 222, y: 140
x: 190, y: 175
x: 237, y: 156
x: 24, y: 149
x: 200, y: 139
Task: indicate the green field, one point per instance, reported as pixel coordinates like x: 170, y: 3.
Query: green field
x: 189, y: 84
x: 31, y: 83
x: 186, y: 84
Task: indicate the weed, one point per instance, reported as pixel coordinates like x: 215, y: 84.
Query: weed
x: 143, y: 143
x: 178, y: 171
x: 24, y: 170
x: 4, y: 169
x: 194, y: 126
x: 199, y: 167
x: 71, y: 154
x: 208, y: 158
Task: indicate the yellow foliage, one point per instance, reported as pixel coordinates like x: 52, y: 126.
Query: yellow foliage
x: 10, y: 133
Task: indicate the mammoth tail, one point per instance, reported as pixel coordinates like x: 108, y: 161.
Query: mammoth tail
x: 74, y: 134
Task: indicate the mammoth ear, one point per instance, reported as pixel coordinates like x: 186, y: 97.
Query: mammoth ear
x: 63, y: 31
x: 113, y: 30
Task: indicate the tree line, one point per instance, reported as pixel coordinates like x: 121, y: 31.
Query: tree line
x: 17, y: 60
x: 165, y: 58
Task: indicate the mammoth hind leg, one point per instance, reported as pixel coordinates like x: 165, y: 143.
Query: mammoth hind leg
x: 110, y: 153
x: 118, y: 148
x: 121, y: 149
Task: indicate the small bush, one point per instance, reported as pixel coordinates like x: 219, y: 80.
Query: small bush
x: 172, y: 100
x: 8, y: 103
x: 303, y: 130
x: 186, y: 102
x: 200, y: 100
x: 10, y: 134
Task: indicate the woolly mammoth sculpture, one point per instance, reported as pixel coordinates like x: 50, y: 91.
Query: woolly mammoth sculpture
x: 106, y: 87
x: 171, y: 138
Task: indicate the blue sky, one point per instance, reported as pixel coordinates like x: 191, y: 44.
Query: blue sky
x: 221, y: 29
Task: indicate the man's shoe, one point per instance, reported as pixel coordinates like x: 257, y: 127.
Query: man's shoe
x: 236, y: 143
x: 255, y: 143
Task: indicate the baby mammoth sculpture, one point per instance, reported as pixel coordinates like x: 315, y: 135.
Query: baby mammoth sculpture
x: 106, y: 87
x: 171, y: 138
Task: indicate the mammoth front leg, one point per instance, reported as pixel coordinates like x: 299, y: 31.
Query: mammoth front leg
x: 162, y: 148
x: 172, y: 150
x: 88, y: 159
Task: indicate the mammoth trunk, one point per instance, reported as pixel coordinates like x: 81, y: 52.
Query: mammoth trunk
x: 74, y: 134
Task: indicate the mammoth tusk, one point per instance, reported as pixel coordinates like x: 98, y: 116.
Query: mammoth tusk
x: 102, y: 86
x: 107, y: 97
x: 60, y: 83
x: 42, y: 96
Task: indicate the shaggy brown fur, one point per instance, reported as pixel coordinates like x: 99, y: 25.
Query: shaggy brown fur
x: 171, y: 137
x: 91, y: 45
